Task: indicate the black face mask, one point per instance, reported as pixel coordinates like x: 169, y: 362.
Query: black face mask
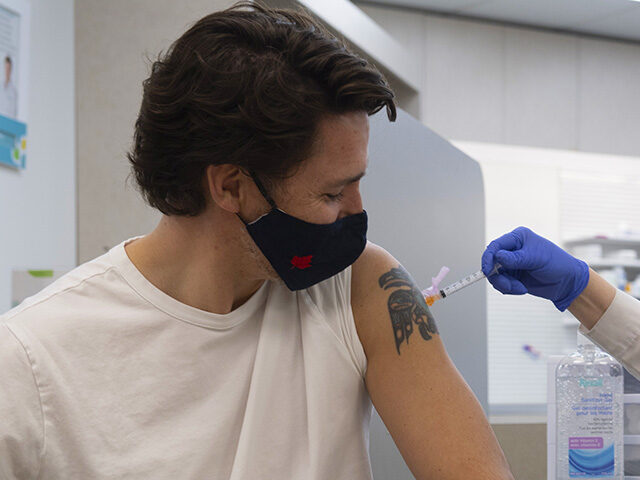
x: 304, y: 253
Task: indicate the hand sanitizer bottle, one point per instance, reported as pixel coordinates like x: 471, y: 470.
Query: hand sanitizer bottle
x: 589, y: 409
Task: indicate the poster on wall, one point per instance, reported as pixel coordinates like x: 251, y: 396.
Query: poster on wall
x: 14, y: 25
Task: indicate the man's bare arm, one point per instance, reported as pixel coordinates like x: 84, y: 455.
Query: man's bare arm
x: 431, y: 413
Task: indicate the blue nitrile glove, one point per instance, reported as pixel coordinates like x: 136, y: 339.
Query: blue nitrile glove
x: 532, y: 264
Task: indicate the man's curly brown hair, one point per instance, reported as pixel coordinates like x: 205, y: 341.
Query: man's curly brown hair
x: 244, y: 86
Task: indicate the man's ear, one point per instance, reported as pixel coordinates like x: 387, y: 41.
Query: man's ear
x: 227, y: 186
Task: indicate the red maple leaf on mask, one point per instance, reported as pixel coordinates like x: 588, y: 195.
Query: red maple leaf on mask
x: 301, y: 262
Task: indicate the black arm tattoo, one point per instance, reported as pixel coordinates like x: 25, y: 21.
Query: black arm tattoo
x: 406, y: 307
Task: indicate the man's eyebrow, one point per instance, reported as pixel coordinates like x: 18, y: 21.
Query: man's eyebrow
x: 346, y: 181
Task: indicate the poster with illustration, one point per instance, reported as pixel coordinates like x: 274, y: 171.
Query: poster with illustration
x: 14, y: 15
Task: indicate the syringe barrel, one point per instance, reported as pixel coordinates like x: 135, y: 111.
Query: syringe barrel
x: 460, y: 284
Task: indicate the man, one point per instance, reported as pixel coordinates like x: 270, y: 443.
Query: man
x: 246, y: 336
x: 8, y: 93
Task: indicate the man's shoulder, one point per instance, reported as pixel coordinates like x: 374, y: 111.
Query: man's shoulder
x: 383, y: 292
x: 76, y: 289
x: 368, y: 272
x: 369, y: 280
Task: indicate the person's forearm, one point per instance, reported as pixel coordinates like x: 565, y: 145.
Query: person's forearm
x: 591, y: 304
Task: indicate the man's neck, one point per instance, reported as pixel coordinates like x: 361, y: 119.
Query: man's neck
x: 202, y: 269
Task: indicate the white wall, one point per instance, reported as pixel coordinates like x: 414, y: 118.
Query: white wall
x: 488, y: 82
x: 38, y: 205
x: 562, y: 195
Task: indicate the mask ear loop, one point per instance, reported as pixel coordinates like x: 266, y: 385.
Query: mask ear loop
x: 264, y: 193
x: 263, y: 190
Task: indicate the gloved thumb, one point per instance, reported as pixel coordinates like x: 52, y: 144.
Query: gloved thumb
x: 517, y: 260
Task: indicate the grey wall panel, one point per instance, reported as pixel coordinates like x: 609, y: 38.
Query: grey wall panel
x: 488, y: 82
x: 463, y: 80
x: 609, y: 97
x: 113, y: 40
x: 540, y: 88
x: 425, y: 201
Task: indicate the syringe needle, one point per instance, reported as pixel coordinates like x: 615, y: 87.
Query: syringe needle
x: 433, y: 296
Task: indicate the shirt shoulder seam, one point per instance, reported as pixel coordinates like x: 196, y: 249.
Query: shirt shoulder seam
x: 64, y: 290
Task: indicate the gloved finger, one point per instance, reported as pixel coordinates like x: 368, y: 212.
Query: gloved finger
x: 518, y: 260
x: 507, y: 284
x: 508, y: 241
x: 488, y: 261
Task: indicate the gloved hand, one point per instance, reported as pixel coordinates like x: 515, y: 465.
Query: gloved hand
x: 532, y: 264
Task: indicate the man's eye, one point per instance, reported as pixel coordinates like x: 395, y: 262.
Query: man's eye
x: 334, y: 197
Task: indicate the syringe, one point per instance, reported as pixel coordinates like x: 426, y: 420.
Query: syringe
x: 431, y: 297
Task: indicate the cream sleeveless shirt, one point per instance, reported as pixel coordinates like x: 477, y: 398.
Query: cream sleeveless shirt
x: 104, y: 376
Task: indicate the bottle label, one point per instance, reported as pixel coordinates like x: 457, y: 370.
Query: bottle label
x: 592, y: 456
x: 582, y: 443
x: 592, y: 460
